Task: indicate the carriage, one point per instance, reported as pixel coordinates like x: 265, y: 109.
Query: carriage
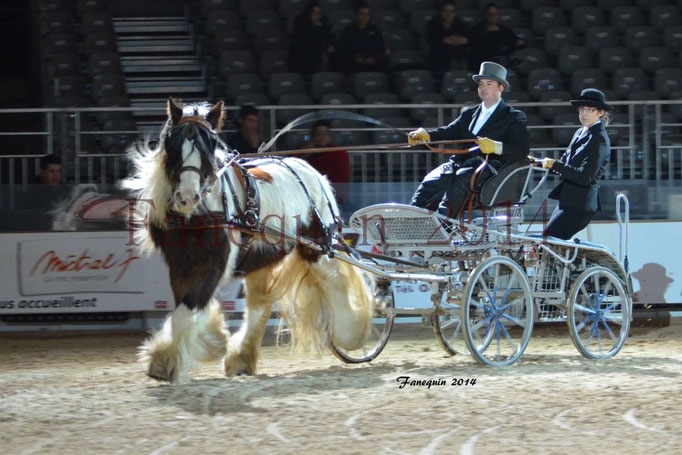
x: 273, y: 221
x: 489, y: 282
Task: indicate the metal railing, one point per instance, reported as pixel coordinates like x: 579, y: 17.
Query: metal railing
x: 651, y: 148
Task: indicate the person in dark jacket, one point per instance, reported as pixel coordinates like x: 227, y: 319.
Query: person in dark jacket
x: 448, y: 39
x: 580, y: 168
x: 360, y: 46
x: 246, y: 139
x: 500, y: 131
x: 311, y: 40
x: 491, y: 40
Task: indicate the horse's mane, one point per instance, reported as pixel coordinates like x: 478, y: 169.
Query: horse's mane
x: 149, y: 185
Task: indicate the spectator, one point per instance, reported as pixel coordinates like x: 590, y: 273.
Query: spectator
x: 246, y: 139
x: 47, y: 190
x: 448, y: 39
x: 335, y: 165
x: 500, y: 132
x: 491, y: 41
x: 361, y: 45
x: 311, y: 40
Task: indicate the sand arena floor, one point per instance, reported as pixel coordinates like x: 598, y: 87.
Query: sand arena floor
x: 88, y: 395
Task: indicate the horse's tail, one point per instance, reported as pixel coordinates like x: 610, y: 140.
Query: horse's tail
x: 323, y: 302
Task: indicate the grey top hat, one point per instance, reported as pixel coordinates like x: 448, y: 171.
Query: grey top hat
x: 593, y: 98
x: 494, y: 71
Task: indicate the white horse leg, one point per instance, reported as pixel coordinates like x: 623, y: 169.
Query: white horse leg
x: 244, y: 346
x: 186, y: 336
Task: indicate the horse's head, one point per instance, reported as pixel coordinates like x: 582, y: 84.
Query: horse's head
x: 190, y: 142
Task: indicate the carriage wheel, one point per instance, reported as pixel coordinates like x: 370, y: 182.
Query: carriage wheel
x: 448, y: 329
x: 598, y: 313
x: 382, y: 323
x: 497, y: 312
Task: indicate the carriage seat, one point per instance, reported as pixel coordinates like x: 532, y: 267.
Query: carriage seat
x: 501, y: 196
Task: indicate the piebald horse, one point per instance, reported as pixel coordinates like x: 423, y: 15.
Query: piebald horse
x: 203, y: 220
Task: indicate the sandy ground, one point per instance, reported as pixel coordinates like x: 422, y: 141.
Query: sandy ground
x: 88, y: 395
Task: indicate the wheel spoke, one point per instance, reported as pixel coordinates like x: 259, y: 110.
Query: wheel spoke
x: 486, y: 289
x: 449, y: 322
x: 454, y: 337
x: 497, y: 336
x: 599, y: 337
x: 611, y: 334
x: 514, y: 320
x: 480, y: 323
x: 509, y: 338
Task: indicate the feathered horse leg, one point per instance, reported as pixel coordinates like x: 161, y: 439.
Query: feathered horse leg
x: 244, y: 346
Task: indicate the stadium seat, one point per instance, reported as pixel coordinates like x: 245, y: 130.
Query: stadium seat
x: 608, y: 5
x: 348, y: 136
x: 564, y: 128
x: 100, y: 42
x: 419, y: 19
x: 284, y: 83
x: 297, y: 139
x: 59, y: 43
x: 469, y: 16
x: 512, y: 18
x: 289, y: 8
x: 542, y: 80
x: 104, y: 62
x: 47, y: 6
x: 404, y: 59
x: 261, y: 20
x: 611, y: 58
x: 639, y: 37
x: 63, y: 65
x: 378, y: 99
x: 597, y: 38
x: 247, y: 6
x: 67, y: 86
x: 587, y: 77
x: 539, y: 137
x: 285, y: 116
x: 339, y: 19
x: 572, y: 58
x: 222, y: 20
x: 480, y: 4
x: 257, y: 99
x: 570, y: 5
x: 391, y: 136
x: 624, y: 17
x: 236, y: 61
x: 272, y: 62
x: 365, y: 83
x: 411, y: 82
x: 585, y: 17
x: 410, y: 6
x: 337, y: 99
x: 419, y: 114
x: 527, y: 6
x: 530, y: 59
x: 467, y: 98
x: 326, y: 82
x: 208, y: 7
x: 545, y: 18
x: 655, y: 58
x: 457, y: 81
x: 557, y: 96
x: 526, y: 34
x: 271, y: 39
x: 229, y: 39
x: 56, y: 22
x: 108, y: 85
x: 557, y: 38
x: 663, y: 16
x: 667, y: 81
x: 97, y: 22
x: 672, y: 37
x: 642, y: 95
x: 676, y: 109
x: 388, y: 20
x: 399, y: 39
x: 627, y: 80
x: 238, y: 84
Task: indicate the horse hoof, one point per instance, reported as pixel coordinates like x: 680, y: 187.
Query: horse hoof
x: 162, y: 377
x: 242, y: 373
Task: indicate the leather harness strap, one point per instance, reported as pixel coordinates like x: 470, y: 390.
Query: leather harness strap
x: 196, y: 119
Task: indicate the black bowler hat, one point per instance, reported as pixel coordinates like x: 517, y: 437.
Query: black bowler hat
x: 593, y: 98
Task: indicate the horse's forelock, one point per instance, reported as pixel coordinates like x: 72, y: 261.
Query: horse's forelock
x: 204, y: 142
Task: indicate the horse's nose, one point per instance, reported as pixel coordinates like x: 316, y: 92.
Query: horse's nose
x: 183, y: 200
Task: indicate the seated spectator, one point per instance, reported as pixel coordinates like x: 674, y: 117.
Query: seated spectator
x: 246, y: 139
x: 360, y: 46
x: 311, y: 40
x: 47, y: 190
x: 335, y: 165
x: 491, y: 41
x: 448, y: 39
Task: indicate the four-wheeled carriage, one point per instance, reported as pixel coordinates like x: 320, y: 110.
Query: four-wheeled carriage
x: 489, y: 283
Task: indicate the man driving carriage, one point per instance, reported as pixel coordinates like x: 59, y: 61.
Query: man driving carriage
x: 500, y: 132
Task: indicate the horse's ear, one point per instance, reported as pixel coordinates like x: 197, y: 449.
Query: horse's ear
x: 216, y: 116
x: 174, y: 111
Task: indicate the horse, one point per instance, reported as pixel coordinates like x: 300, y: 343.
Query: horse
x: 204, y: 210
